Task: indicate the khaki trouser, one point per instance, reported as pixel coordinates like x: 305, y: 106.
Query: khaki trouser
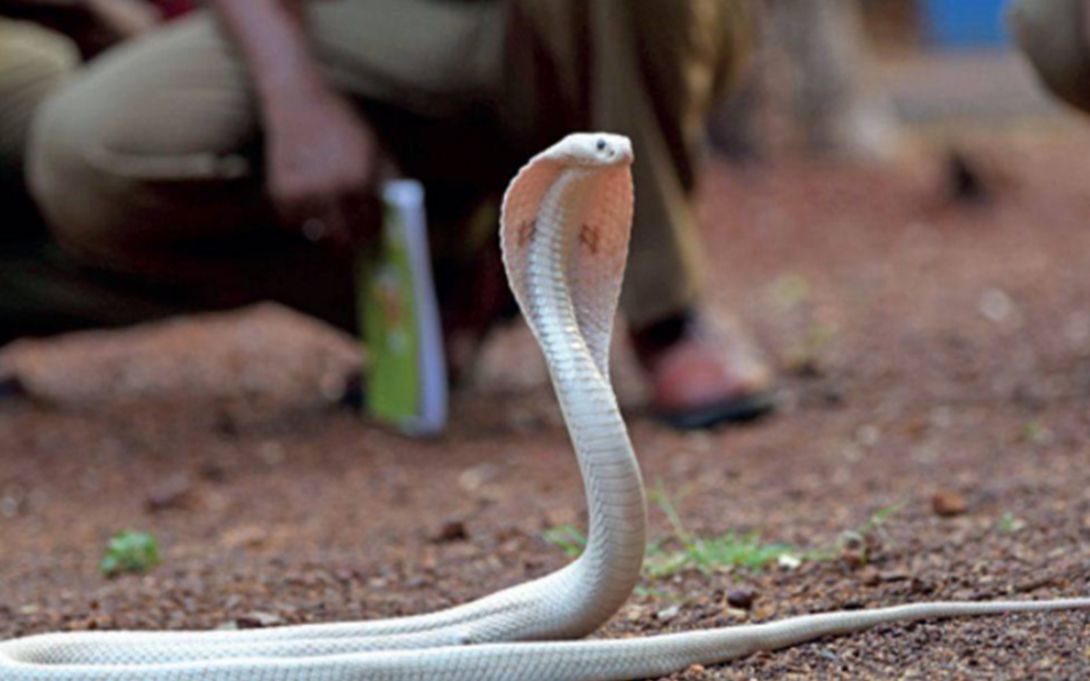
x: 1055, y: 36
x: 33, y: 61
x: 150, y: 162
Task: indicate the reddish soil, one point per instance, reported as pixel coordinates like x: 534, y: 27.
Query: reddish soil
x: 935, y: 355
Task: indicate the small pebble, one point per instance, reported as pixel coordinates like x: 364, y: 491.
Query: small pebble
x: 995, y: 305
x: 832, y: 395
x: 667, y: 614
x: 633, y: 614
x: 869, y: 577
x: 174, y: 492
x: 741, y: 597
x: 947, y: 503
x: 258, y: 620
x: 921, y: 586
x: 853, y: 548
x: 451, y: 531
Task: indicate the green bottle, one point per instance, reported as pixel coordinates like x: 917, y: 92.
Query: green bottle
x: 406, y: 375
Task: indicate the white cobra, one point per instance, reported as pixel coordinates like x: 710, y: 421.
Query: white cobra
x: 564, y: 229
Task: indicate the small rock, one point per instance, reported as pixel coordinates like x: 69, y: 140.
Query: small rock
x: 258, y: 620
x: 995, y: 305
x: 853, y: 548
x: 667, y: 614
x: 828, y: 655
x: 695, y: 669
x: 741, y: 597
x: 174, y: 492
x: 451, y: 531
x: 805, y: 365
x: 246, y: 536
x: 832, y: 395
x: 947, y: 503
x: 869, y: 577
x: 919, y: 585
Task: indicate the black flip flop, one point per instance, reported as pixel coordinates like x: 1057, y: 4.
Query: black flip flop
x: 733, y: 410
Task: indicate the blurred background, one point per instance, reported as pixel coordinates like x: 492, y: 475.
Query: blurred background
x: 847, y: 77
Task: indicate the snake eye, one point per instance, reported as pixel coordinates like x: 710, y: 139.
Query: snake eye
x: 601, y: 145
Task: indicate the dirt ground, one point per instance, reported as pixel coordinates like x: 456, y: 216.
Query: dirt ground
x: 935, y: 357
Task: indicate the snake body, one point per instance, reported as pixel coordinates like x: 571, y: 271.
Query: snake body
x: 564, y: 231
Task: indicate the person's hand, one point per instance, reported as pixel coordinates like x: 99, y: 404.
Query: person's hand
x: 322, y: 167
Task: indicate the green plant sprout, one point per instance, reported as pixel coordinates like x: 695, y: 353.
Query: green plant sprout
x: 1009, y: 523
x: 569, y: 538
x: 129, y: 552
x: 682, y: 550
x: 706, y: 555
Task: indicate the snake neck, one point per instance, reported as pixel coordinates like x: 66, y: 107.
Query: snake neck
x: 604, y: 576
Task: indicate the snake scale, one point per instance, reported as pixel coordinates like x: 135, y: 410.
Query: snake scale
x: 564, y: 230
